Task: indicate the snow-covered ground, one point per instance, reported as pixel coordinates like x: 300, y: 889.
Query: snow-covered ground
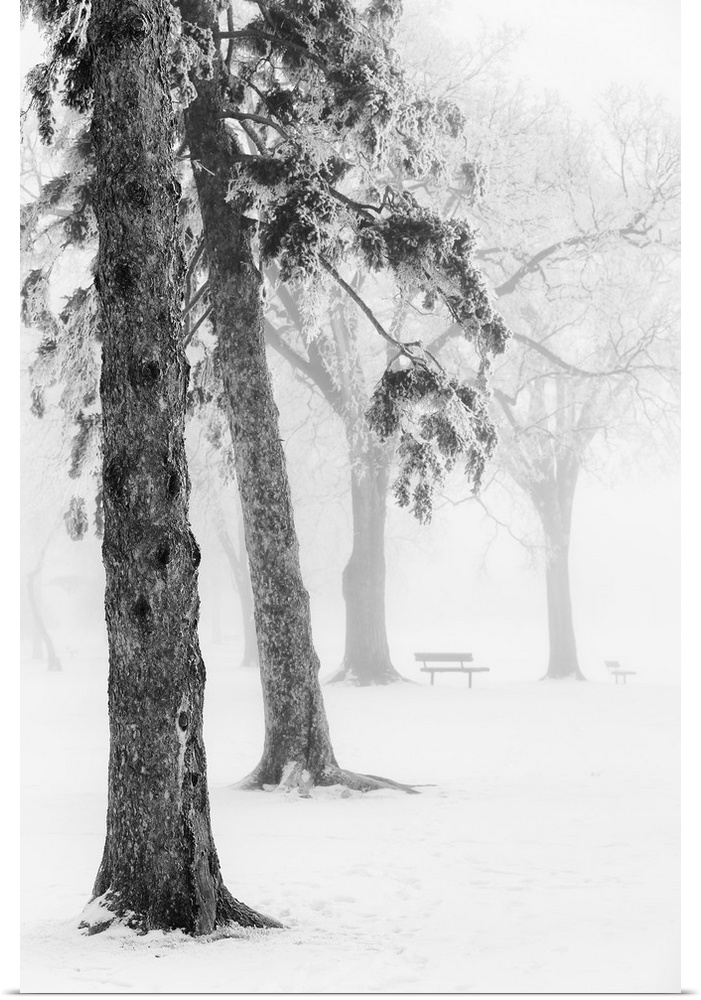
x: 541, y: 855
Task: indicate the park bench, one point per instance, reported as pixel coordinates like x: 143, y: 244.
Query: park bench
x: 615, y: 670
x: 457, y: 659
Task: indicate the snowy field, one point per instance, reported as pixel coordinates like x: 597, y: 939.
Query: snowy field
x: 542, y: 855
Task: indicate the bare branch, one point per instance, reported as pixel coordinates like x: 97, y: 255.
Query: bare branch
x: 202, y: 290
x: 205, y: 315
x: 364, y: 308
x: 247, y: 116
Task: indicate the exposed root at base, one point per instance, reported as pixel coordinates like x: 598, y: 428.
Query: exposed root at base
x: 105, y: 911
x: 251, y: 783
x: 363, y: 782
x: 233, y: 912
x: 297, y: 778
x: 345, y: 675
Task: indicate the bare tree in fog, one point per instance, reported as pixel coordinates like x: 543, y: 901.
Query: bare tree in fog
x: 580, y: 238
x: 556, y: 415
x: 159, y: 867
x: 597, y: 330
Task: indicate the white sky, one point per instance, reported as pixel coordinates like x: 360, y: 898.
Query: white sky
x: 579, y: 47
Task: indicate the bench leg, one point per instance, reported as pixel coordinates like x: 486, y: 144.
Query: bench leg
x: 469, y: 680
x: 433, y: 676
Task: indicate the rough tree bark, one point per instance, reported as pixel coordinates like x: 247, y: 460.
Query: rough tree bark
x: 159, y: 868
x: 297, y: 749
x: 554, y: 500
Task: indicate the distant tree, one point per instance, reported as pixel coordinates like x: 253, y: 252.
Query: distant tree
x: 556, y: 418
x: 159, y: 868
x: 580, y: 236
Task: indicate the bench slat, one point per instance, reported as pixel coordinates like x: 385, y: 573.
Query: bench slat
x: 455, y: 670
x: 444, y: 657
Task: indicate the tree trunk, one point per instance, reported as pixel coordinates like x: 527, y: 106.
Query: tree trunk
x: 297, y: 749
x: 296, y: 730
x: 563, y: 660
x: 554, y: 504
x: 159, y: 868
x: 366, y: 659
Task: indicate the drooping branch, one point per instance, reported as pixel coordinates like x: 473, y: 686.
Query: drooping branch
x: 367, y: 311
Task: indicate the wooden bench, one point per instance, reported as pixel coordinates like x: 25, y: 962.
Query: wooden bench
x: 456, y: 658
x: 615, y: 670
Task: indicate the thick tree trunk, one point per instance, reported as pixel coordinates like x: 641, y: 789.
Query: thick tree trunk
x: 297, y: 748
x: 366, y: 659
x: 159, y: 867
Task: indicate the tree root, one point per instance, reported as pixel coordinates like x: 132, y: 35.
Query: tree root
x: 232, y: 911
x: 347, y: 675
x: 253, y: 782
x: 362, y: 782
x: 297, y: 778
x: 105, y: 911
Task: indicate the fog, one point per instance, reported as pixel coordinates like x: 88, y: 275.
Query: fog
x: 578, y: 50
x: 461, y: 581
